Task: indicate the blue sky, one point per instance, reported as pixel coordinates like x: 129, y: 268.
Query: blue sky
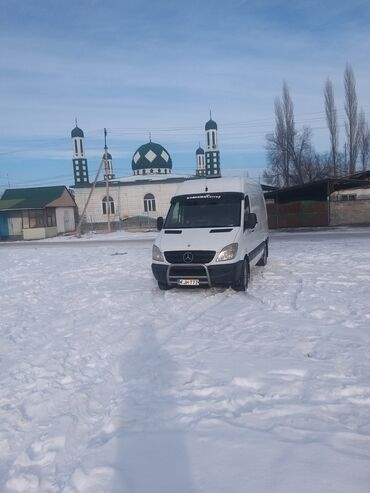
x: 140, y: 66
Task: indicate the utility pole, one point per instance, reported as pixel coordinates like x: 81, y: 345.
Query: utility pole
x: 78, y: 229
x: 106, y: 176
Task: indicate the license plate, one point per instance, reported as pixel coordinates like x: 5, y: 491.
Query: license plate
x: 189, y: 282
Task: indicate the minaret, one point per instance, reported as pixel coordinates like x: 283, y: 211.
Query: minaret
x: 201, y: 163
x: 80, y: 170
x: 107, y: 157
x: 212, y: 153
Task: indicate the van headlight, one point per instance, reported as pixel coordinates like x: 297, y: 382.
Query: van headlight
x: 228, y: 253
x: 157, y: 254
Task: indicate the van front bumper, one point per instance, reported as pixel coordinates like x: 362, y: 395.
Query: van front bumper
x: 208, y: 275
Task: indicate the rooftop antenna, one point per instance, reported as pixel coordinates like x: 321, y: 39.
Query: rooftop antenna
x: 105, y: 140
x: 76, y: 121
x: 150, y: 136
x: 210, y: 114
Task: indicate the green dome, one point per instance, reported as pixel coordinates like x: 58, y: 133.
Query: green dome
x: 77, y: 132
x: 211, y: 125
x: 200, y: 150
x: 151, y: 156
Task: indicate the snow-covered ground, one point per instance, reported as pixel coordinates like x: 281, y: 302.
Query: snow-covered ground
x: 109, y: 385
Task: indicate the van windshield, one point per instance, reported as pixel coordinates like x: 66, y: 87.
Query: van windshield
x: 205, y: 210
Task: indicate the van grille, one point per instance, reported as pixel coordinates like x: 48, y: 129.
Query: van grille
x: 198, y: 256
x: 188, y: 271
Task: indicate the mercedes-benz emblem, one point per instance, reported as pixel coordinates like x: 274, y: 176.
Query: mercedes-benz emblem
x: 188, y: 257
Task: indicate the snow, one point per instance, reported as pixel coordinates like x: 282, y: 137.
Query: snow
x: 108, y: 385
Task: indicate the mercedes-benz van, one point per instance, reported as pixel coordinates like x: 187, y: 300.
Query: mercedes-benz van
x: 215, y: 231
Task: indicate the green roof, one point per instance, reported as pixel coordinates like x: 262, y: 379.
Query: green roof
x: 30, y: 198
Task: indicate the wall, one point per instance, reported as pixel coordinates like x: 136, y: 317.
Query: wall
x: 355, y: 211
x: 39, y: 233
x: 305, y: 213
x: 128, y: 201
x: 350, y: 212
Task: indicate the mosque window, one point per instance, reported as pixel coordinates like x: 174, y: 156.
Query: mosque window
x: 81, y: 148
x: 208, y: 142
x: 151, y: 171
x: 149, y: 203
x: 110, y: 203
x: 165, y: 171
x: 76, y: 149
x: 214, y: 139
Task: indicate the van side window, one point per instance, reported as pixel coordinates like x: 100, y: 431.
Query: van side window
x: 247, y: 208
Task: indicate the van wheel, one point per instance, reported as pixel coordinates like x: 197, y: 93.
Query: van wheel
x: 263, y: 260
x: 163, y: 286
x: 242, y: 283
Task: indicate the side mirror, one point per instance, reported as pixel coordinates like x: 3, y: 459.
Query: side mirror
x: 250, y: 220
x: 160, y: 222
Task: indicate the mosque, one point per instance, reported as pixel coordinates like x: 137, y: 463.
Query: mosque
x: 139, y: 199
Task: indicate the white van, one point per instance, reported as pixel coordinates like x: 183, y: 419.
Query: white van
x: 214, y: 232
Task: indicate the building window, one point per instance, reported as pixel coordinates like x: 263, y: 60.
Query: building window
x: 350, y: 196
x: 214, y: 139
x: 110, y: 202
x: 165, y: 171
x: 208, y: 139
x: 50, y: 217
x: 149, y: 203
x: 76, y: 150
x: 81, y: 148
x: 36, y: 219
x: 25, y: 220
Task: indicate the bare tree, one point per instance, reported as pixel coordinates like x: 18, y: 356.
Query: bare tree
x: 280, y: 144
x: 364, y: 140
x: 290, y: 133
x: 331, y: 119
x: 351, y: 123
x: 291, y: 157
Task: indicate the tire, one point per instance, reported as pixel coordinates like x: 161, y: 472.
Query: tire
x: 263, y: 260
x: 242, y: 283
x: 163, y: 286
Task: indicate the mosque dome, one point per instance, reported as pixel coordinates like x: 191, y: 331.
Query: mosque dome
x: 200, y: 150
x: 211, y: 125
x: 151, y: 157
x: 77, y: 132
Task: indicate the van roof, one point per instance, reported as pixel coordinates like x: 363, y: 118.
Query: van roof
x: 227, y: 184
